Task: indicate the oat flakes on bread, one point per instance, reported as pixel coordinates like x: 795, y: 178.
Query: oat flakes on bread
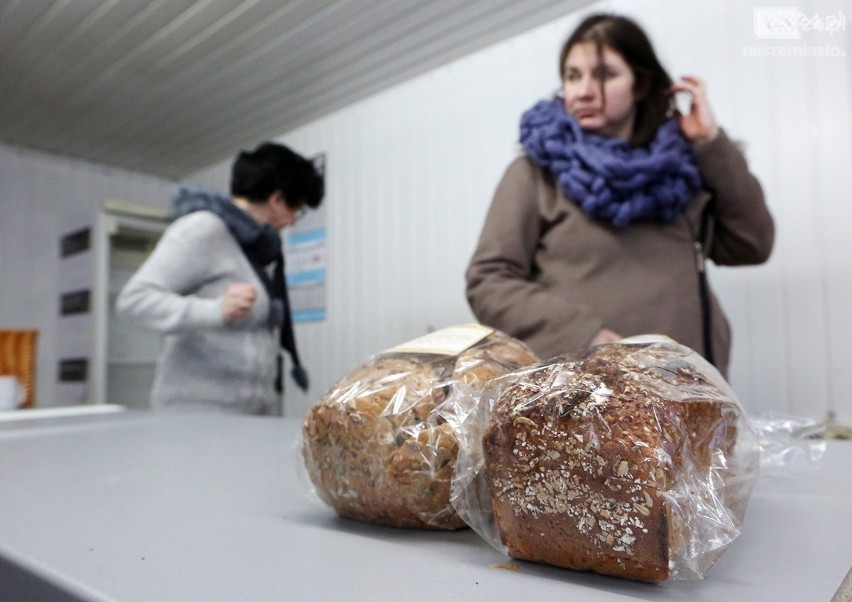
x: 376, y: 448
x: 632, y: 459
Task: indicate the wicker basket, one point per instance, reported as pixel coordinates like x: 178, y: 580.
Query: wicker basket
x: 18, y: 359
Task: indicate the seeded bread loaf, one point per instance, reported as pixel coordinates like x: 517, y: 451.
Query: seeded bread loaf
x: 375, y: 445
x: 621, y: 460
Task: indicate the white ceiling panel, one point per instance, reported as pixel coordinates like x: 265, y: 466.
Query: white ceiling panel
x: 167, y: 87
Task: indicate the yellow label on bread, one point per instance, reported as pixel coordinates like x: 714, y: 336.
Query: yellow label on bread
x: 447, y: 341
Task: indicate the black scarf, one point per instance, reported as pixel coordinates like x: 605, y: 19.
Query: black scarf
x: 261, y: 244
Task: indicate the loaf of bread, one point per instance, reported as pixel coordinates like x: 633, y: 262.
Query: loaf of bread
x: 631, y: 459
x: 375, y: 445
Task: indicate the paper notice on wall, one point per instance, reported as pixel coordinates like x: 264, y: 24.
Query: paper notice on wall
x: 305, y: 260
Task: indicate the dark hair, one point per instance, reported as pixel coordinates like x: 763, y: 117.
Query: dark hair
x: 259, y: 173
x: 630, y: 41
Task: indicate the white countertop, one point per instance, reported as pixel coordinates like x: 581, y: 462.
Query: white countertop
x: 138, y: 506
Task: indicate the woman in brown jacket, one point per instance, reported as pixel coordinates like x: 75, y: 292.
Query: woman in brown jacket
x: 601, y: 229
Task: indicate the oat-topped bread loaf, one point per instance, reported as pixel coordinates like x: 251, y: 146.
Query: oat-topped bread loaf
x: 375, y: 445
x: 631, y: 459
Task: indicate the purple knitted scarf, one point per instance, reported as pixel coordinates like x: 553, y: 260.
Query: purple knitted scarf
x: 609, y: 179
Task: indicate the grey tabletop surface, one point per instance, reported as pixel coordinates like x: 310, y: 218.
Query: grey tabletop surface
x: 139, y: 506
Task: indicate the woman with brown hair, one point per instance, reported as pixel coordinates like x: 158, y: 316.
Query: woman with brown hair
x: 601, y: 228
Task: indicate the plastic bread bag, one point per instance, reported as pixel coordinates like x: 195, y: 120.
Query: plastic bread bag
x: 788, y: 444
x: 632, y: 459
x: 375, y: 447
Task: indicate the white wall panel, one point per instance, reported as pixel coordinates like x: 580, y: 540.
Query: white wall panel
x: 411, y: 172
x: 42, y: 197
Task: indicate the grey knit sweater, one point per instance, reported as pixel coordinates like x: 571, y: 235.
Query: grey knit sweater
x: 204, y: 364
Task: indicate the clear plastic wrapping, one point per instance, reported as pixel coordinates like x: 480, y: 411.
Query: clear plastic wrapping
x: 788, y: 444
x: 633, y: 459
x: 376, y: 447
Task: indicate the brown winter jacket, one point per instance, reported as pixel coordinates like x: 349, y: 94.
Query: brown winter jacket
x: 545, y: 272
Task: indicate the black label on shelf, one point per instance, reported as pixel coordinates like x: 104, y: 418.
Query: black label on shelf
x: 76, y: 302
x: 73, y: 370
x: 75, y: 242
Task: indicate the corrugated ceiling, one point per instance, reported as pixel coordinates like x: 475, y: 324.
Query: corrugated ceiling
x: 167, y: 87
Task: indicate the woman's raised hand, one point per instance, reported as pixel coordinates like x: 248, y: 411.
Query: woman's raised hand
x: 698, y: 125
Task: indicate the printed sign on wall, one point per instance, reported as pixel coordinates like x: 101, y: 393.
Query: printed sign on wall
x: 304, y: 250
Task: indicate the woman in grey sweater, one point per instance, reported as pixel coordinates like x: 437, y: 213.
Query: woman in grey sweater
x: 214, y: 286
x: 601, y: 229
